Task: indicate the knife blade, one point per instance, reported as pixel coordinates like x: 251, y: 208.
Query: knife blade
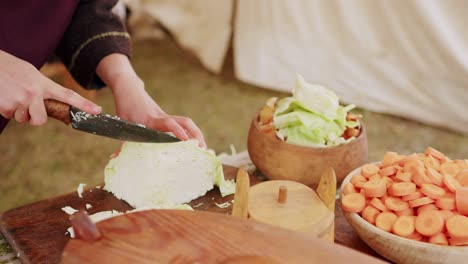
x: 104, y: 124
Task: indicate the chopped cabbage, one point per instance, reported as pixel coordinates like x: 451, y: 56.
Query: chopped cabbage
x: 312, y: 117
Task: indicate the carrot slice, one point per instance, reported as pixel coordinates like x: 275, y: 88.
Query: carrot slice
x: 450, y: 182
x: 385, y: 221
x: 432, y: 191
x: 446, y: 202
x: 461, y: 200
x: 429, y: 223
x: 446, y: 214
x: 435, y: 153
x: 420, y: 202
x: 396, y: 204
x: 431, y: 162
x: 403, y: 176
x: 458, y: 242
x: 377, y: 203
x: 462, y: 177
x: 375, y: 177
x: 408, y: 211
x: 403, y: 226
x: 374, y: 188
x: 415, y: 236
x: 426, y: 207
x: 390, y: 158
x: 370, y: 213
x: 419, y: 176
x: 358, y: 180
x: 438, y: 239
x: 435, y: 177
x: 457, y: 226
x: 402, y: 188
x: 388, y: 171
x: 388, y: 181
x: 411, y: 164
x: 353, y: 202
x: 416, y: 195
x: 349, y: 188
x: 449, y: 168
x: 369, y: 170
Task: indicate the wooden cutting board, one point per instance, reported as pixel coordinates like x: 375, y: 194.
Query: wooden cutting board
x: 37, y: 231
x: 177, y: 236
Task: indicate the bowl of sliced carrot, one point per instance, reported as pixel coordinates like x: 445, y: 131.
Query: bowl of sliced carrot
x: 410, y: 208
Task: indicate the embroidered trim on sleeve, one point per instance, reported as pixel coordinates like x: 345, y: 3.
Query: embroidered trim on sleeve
x: 93, y: 38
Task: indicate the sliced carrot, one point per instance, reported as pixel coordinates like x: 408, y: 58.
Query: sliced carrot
x: 431, y: 162
x: 446, y: 214
x: 397, y: 167
x: 446, y: 202
x: 377, y: 203
x: 408, y: 211
x: 420, y: 202
x: 388, y: 171
x: 462, y: 164
x: 370, y: 213
x: 385, y: 221
x: 403, y: 176
x: 432, y: 191
x: 358, y: 180
x: 402, y: 188
x: 388, y: 181
x: 403, y: 226
x: 426, y: 207
x: 353, y: 202
x: 405, y: 159
x: 416, y: 195
x: 435, y: 177
x: 461, y: 200
x: 390, y: 158
x: 374, y: 188
x: 411, y: 164
x: 429, y: 223
x: 457, y: 226
x: 450, y: 182
x: 449, y: 168
x: 458, y: 242
x: 462, y: 177
x: 369, y: 170
x: 419, y: 176
x: 349, y: 188
x: 396, y: 204
x: 375, y: 177
x: 415, y: 236
x: 438, y: 239
x: 435, y: 153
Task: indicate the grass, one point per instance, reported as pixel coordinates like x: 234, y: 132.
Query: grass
x: 38, y: 163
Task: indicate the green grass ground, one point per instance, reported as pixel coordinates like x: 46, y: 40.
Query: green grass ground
x: 37, y: 163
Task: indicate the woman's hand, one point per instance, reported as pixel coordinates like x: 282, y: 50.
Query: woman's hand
x: 23, y: 90
x: 135, y: 105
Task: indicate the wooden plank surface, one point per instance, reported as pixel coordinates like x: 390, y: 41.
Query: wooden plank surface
x: 37, y: 231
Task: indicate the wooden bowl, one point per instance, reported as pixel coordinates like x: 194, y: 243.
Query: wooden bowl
x: 402, y: 250
x: 278, y: 160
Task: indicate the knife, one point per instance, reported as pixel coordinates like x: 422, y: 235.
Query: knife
x: 104, y: 124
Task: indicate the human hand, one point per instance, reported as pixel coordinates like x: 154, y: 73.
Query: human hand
x: 23, y: 90
x: 135, y: 105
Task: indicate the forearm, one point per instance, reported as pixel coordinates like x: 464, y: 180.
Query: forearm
x: 116, y: 69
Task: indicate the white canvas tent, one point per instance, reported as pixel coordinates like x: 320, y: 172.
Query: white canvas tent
x: 407, y: 58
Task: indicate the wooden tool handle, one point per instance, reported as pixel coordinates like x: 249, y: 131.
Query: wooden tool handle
x: 241, y: 197
x: 84, y: 227
x: 58, y: 110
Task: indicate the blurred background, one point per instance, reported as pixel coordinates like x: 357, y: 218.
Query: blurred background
x: 403, y: 63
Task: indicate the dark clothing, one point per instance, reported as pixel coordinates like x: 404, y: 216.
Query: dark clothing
x: 81, y: 33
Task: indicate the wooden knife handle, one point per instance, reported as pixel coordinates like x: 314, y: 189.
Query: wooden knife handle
x: 58, y: 110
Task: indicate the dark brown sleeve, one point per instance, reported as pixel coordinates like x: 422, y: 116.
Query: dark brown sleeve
x: 93, y: 33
